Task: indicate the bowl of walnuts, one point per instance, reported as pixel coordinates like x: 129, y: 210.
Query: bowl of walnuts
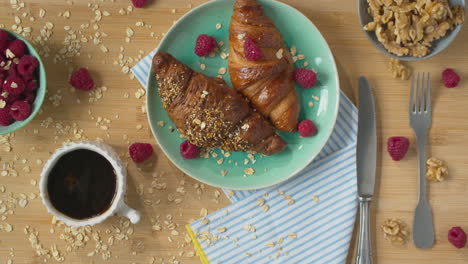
x: 411, y: 30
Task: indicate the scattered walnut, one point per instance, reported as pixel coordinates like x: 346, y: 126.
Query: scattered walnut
x: 395, y: 231
x: 409, y: 27
x: 436, y: 170
x: 398, y: 70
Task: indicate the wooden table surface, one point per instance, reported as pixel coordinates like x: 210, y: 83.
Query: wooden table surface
x: 154, y: 188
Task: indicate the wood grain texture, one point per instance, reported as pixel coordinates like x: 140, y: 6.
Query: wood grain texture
x: 396, y: 188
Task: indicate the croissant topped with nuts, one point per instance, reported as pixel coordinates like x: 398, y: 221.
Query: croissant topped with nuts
x: 209, y: 113
x: 267, y: 81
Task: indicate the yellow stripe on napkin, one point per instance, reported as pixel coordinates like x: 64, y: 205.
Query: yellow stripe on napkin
x: 197, y: 246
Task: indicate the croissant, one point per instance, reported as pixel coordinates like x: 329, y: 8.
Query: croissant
x: 268, y: 81
x: 210, y: 114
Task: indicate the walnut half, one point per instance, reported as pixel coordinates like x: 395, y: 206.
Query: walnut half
x: 395, y: 231
x: 398, y: 70
x: 436, y: 170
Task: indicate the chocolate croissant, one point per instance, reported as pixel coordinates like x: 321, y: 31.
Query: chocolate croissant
x: 268, y: 81
x: 210, y: 114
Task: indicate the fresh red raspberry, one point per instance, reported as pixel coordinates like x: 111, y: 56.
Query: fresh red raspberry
x: 251, y: 51
x: 14, y: 85
x: 397, y: 147
x: 31, y: 86
x: 29, y: 98
x: 457, y: 237
x: 5, y: 117
x: 204, y: 45
x: 20, y: 110
x: 81, y: 79
x: 307, y: 128
x: 3, y: 40
x: 189, y: 150
x: 17, y: 47
x: 139, y: 3
x: 305, y: 77
x: 11, y: 98
x: 140, y: 152
x: 27, y: 65
x: 13, y: 71
x: 450, y: 78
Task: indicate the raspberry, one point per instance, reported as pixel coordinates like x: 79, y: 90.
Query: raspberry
x: 204, y: 45
x: 17, y: 47
x: 3, y: 40
x: 251, y: 51
x: 20, y: 110
x: 307, y: 128
x: 81, y: 79
x: 13, y: 71
x: 10, y: 98
x: 5, y: 117
x: 140, y: 152
x: 139, y: 3
x: 450, y: 78
x: 14, y: 85
x: 189, y: 150
x: 397, y: 147
x: 31, y: 86
x: 27, y: 65
x: 29, y: 98
x: 457, y: 237
x: 305, y: 77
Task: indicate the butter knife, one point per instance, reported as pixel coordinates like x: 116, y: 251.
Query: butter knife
x: 366, y: 166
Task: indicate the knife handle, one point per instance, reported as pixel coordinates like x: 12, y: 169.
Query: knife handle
x: 364, y: 247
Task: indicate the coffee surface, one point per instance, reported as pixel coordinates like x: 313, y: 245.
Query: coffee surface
x: 82, y: 184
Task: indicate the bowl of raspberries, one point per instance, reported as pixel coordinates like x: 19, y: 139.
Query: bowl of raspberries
x: 22, y: 82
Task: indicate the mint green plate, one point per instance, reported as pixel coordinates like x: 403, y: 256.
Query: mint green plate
x: 297, y: 30
x: 40, y: 92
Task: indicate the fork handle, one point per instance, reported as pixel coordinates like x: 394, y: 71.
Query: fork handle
x: 421, y: 140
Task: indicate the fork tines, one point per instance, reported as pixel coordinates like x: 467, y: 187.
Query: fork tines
x: 420, y: 96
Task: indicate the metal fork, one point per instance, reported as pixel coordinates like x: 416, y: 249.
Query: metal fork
x: 420, y: 121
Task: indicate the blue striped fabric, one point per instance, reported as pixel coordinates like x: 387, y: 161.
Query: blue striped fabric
x: 323, y: 228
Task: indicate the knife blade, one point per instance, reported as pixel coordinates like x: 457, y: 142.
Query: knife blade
x: 366, y: 154
x: 365, y: 165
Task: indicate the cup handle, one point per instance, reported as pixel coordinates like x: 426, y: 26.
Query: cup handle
x: 130, y: 213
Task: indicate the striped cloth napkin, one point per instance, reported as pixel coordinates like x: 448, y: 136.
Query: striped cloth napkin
x: 307, y: 219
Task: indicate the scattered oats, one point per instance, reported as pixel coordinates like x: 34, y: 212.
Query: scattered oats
x: 130, y: 32
x: 42, y: 13
x: 104, y: 49
x: 220, y: 161
x: 291, y: 202
x: 161, y: 123
x: 306, y: 63
x: 205, y: 221
x: 17, y: 20
x: 174, y: 233
x: 293, y: 50
x: 260, y: 201
x: 279, y: 54
x: 224, y: 172
x: 249, y: 171
x: 300, y: 57
x: 221, y: 43
x: 292, y: 235
x: 223, y: 55
x: 248, y: 254
x: 66, y: 14
x: 221, y: 229
x: 222, y: 70
x: 311, y: 104
x: 7, y: 227
x: 2, y: 189
x: 316, y: 98
x: 266, y: 208
x: 315, y: 198
x: 218, y: 26
x: 2, y: 104
x: 105, y: 13
x: 280, y: 241
x: 270, y: 244
x: 33, y: 182
x: 202, y: 66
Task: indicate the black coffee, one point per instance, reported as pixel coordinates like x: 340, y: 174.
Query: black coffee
x: 82, y: 184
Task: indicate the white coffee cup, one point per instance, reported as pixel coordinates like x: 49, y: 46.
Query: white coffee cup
x: 117, y: 206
